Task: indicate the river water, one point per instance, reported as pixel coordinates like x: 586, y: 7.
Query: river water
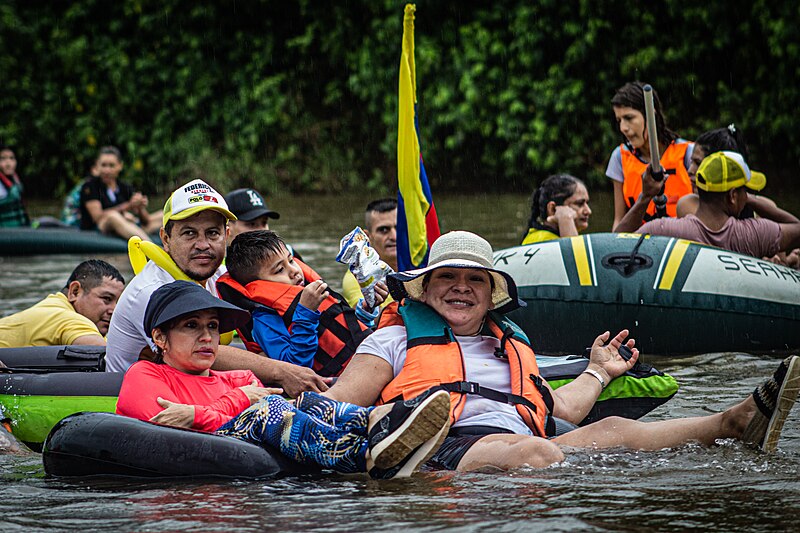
x: 723, y: 488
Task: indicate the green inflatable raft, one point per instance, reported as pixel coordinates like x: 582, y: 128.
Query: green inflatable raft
x: 675, y: 296
x: 44, y: 385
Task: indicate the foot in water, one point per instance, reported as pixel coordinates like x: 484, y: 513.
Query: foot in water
x: 774, y: 400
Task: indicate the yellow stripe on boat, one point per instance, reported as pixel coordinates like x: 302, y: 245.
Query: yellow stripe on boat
x: 581, y: 261
x: 673, y: 264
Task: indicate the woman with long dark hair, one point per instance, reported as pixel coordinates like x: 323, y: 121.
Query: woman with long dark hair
x: 630, y: 159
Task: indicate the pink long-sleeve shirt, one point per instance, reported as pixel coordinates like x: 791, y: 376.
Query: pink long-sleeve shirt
x: 216, y: 398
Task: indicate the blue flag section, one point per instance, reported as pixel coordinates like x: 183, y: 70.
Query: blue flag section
x: 417, y: 223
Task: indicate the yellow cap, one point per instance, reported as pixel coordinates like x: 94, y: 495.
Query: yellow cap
x: 723, y: 171
x: 192, y: 198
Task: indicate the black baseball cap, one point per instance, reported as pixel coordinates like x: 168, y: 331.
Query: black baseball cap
x: 248, y: 204
x: 183, y: 297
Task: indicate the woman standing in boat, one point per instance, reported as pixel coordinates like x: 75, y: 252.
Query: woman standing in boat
x: 559, y: 208
x: 181, y: 390
x: 113, y: 206
x: 630, y: 159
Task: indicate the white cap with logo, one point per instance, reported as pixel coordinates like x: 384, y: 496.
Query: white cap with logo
x: 192, y: 198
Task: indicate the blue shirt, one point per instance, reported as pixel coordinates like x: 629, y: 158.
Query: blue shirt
x: 297, y: 348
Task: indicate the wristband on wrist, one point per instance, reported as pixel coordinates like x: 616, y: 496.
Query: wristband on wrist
x: 597, y: 375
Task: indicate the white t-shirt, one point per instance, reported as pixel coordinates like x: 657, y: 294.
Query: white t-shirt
x: 389, y: 343
x: 126, y: 336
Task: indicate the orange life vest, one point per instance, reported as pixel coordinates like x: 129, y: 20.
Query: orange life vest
x: 678, y: 183
x: 339, y: 331
x: 434, y: 360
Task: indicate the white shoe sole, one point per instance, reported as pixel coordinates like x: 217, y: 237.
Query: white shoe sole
x: 422, y: 425
x: 786, y: 399
x: 423, y: 453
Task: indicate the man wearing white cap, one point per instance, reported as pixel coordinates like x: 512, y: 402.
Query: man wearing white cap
x: 723, y: 181
x: 194, y: 235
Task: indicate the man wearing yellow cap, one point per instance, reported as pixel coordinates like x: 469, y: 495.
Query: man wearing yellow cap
x: 723, y: 181
x: 194, y: 236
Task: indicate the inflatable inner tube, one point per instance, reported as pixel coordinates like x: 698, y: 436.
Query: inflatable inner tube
x: 105, y: 444
x: 631, y: 395
x: 54, y: 358
x: 34, y: 403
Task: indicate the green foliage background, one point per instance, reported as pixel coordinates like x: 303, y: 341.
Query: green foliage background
x: 301, y: 95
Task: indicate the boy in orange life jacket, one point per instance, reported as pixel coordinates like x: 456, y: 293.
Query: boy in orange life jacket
x: 287, y: 300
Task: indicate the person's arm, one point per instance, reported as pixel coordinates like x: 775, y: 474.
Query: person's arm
x: 137, y: 204
x: 292, y: 378
x: 564, y: 219
x: 245, y: 391
x: 573, y: 401
x: 687, y: 205
x: 90, y: 340
x: 141, y: 387
x: 95, y: 210
x: 362, y: 381
x: 620, y: 208
x: 631, y: 221
x: 789, y: 224
x: 74, y: 328
x: 298, y: 347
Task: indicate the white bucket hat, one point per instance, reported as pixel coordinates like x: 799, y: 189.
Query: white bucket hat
x: 458, y: 249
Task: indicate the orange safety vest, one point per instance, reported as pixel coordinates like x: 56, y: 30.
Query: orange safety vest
x: 339, y: 331
x: 678, y: 182
x: 434, y: 360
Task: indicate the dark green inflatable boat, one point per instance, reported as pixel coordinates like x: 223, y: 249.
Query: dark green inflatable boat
x: 46, y: 240
x: 675, y: 296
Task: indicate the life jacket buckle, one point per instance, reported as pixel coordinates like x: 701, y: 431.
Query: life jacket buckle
x: 468, y: 387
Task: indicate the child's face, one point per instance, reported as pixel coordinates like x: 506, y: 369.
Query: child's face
x: 8, y: 163
x: 282, y: 268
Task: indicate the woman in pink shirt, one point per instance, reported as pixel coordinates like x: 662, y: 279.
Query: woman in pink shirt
x: 180, y: 389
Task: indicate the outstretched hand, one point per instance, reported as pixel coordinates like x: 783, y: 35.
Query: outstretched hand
x: 607, y: 357
x: 178, y: 415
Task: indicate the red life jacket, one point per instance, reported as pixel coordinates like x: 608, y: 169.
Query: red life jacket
x: 434, y: 359
x: 678, y: 183
x: 339, y: 331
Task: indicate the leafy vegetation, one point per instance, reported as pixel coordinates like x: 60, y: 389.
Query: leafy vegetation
x: 301, y: 95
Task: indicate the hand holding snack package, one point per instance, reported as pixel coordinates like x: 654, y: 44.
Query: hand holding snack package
x: 364, y: 262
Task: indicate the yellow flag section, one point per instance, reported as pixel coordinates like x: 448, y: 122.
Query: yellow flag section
x: 139, y: 252
x: 417, y: 223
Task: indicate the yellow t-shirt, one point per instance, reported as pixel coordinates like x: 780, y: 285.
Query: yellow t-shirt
x: 538, y: 235
x: 51, y: 322
x: 352, y: 292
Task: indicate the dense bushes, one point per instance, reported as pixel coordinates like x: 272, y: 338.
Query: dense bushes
x: 302, y: 95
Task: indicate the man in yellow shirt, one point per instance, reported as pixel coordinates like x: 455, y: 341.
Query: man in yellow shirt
x: 380, y: 225
x: 78, y: 314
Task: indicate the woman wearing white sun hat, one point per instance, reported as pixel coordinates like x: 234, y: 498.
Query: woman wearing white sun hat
x: 449, y: 332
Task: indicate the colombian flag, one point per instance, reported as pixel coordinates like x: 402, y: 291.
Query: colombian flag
x: 417, y: 224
